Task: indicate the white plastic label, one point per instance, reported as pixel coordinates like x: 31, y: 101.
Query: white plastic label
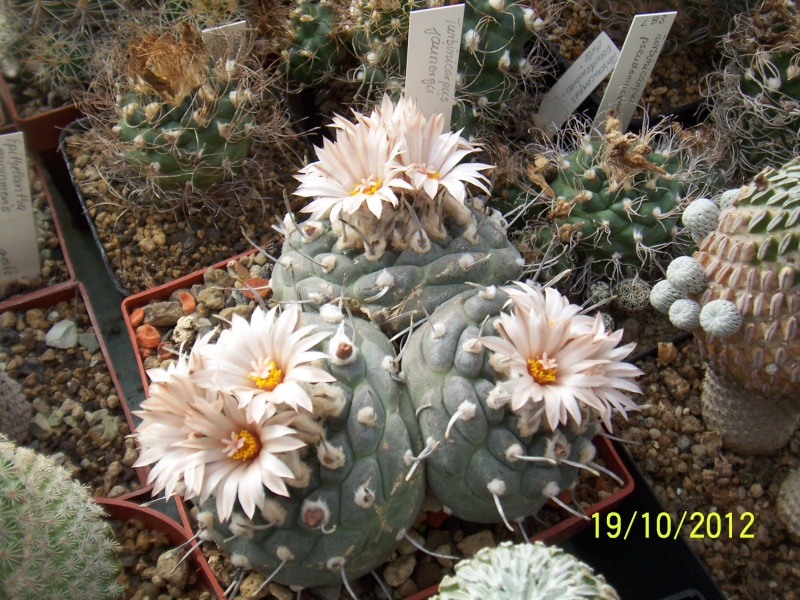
x: 225, y: 37
x: 577, y: 83
x: 19, y: 252
x: 638, y: 56
x: 434, y: 42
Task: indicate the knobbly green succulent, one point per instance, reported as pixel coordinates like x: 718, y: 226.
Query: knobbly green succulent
x: 55, y: 541
x: 393, y: 241
x: 755, y: 98
x: 740, y: 296
x: 611, y: 209
x: 524, y: 572
x: 497, y: 448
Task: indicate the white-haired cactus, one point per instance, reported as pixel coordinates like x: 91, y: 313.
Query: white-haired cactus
x: 700, y: 218
x: 747, y: 326
x: 508, y: 421
x: 756, y: 99
x: 393, y: 229
x: 611, y: 208
x: 307, y: 429
x: 15, y: 410
x: 55, y: 542
x: 524, y: 572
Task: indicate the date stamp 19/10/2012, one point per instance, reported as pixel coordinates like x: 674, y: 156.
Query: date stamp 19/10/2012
x: 713, y: 525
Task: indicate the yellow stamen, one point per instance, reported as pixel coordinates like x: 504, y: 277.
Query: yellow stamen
x: 433, y: 174
x: 366, y: 187
x: 247, y: 446
x: 541, y: 370
x: 273, y: 379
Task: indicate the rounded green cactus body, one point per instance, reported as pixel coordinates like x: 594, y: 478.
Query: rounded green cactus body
x: 55, y: 542
x: 316, y: 50
x: 70, y: 13
x: 613, y: 206
x: 524, y: 572
x: 200, y: 141
x: 400, y: 284
x: 475, y: 464
x: 356, y: 502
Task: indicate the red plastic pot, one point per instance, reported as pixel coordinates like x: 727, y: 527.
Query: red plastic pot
x: 42, y: 130
x: 128, y: 507
x: 72, y: 290
x: 40, y: 174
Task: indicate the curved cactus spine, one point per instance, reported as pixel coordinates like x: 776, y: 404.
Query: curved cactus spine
x: 55, y: 542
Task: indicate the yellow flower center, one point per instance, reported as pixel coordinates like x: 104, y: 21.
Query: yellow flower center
x: 367, y: 186
x: 433, y: 174
x: 243, y: 446
x: 543, y: 370
x: 267, y: 375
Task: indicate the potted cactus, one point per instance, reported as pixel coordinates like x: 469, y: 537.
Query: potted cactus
x: 186, y: 154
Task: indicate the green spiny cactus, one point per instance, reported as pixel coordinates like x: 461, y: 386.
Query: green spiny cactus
x: 497, y: 454
x: 15, y: 411
x: 611, y: 208
x: 316, y: 51
x: 756, y: 97
x: 743, y: 285
x: 184, y: 121
x: 59, y: 62
x: 71, y: 14
x: 55, y: 542
x: 203, y: 13
x: 524, y: 572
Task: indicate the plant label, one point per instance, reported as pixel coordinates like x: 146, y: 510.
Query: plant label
x: 19, y: 252
x: 226, y: 40
x: 638, y: 56
x: 575, y: 85
x: 434, y: 42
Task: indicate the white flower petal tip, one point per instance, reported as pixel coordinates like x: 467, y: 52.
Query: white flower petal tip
x: 663, y: 295
x: 685, y: 314
x: 720, y: 318
x: 686, y: 275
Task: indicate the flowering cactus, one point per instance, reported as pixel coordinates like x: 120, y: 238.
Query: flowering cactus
x: 509, y: 418
x: 291, y: 432
x: 393, y: 228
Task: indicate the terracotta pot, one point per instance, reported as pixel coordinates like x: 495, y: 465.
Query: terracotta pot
x: 569, y: 526
x: 73, y: 290
x: 128, y: 507
x: 70, y: 276
x: 6, y: 126
x: 42, y: 130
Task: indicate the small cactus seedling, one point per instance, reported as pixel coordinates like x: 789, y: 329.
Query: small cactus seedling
x: 611, y: 208
x: 524, y: 572
x: 756, y: 97
x: 55, y: 541
x: 393, y: 230
x: 509, y: 420
x: 740, y: 295
x: 304, y: 431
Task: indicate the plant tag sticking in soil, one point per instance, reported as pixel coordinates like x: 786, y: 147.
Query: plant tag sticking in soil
x: 575, y: 85
x: 227, y: 39
x: 434, y: 41
x: 19, y: 252
x: 638, y: 56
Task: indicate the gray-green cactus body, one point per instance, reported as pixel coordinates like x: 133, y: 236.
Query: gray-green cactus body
x: 401, y: 284
x: 474, y: 464
x: 524, y: 572
x: 203, y: 140
x: 55, y: 542
x: 356, y: 503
